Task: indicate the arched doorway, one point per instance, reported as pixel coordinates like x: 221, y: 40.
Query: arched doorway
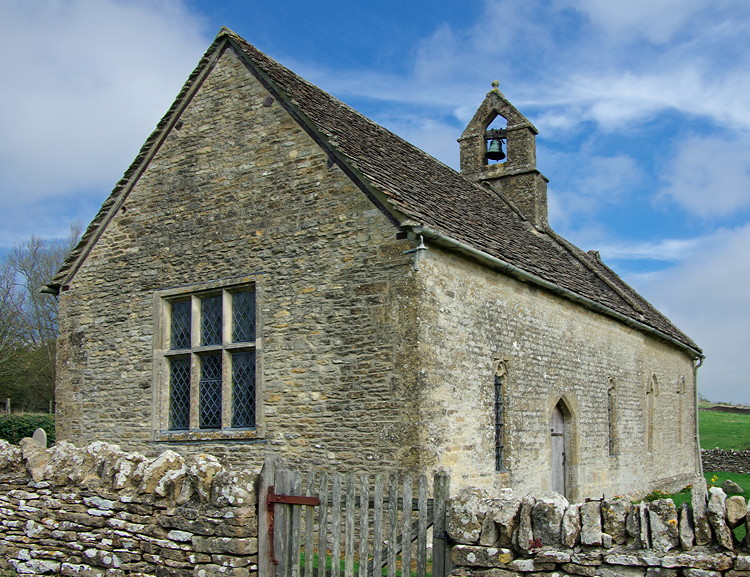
x: 558, y: 470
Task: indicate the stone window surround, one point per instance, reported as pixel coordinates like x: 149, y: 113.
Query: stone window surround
x: 161, y: 372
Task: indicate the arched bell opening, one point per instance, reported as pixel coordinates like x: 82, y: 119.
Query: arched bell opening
x: 496, y: 141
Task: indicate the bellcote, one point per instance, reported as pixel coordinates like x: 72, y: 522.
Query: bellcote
x: 516, y: 175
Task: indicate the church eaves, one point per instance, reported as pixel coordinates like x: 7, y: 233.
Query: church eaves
x: 415, y: 191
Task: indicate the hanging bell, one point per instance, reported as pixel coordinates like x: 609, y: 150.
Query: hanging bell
x: 495, y: 150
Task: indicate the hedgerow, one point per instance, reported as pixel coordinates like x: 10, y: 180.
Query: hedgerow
x: 13, y: 428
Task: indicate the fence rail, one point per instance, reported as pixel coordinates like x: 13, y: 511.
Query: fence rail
x: 332, y: 524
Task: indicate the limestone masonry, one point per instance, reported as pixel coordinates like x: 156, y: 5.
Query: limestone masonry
x: 275, y: 273
x: 98, y: 510
x: 726, y: 460
x: 497, y: 535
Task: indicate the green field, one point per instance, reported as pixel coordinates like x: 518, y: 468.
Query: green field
x: 724, y: 430
x: 721, y: 430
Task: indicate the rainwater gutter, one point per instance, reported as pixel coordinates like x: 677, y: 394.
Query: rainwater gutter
x: 522, y: 275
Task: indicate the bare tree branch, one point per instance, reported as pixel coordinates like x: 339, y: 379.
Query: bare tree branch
x: 28, y: 320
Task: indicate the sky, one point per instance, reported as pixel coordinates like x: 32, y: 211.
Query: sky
x: 643, y: 110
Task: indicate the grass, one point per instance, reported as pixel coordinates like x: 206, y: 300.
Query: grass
x: 682, y: 496
x: 329, y: 563
x: 714, y: 479
x: 724, y: 430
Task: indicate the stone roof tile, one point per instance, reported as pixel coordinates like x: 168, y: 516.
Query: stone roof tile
x: 422, y: 189
x: 434, y: 194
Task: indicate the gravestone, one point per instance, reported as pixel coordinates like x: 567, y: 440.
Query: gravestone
x: 40, y: 436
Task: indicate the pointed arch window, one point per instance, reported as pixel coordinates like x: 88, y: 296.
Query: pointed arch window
x: 680, y: 407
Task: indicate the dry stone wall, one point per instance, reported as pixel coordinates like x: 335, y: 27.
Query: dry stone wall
x: 97, y: 511
x: 504, y: 536
x: 726, y: 460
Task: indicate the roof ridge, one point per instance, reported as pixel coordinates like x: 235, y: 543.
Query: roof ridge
x: 577, y: 253
x: 342, y: 104
x: 634, y: 293
x: 405, y: 183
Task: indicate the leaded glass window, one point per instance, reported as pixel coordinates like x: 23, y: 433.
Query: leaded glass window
x: 211, y: 320
x: 243, y: 317
x: 243, y: 389
x: 180, y: 325
x: 499, y: 423
x: 179, y: 393
x: 211, y: 359
x: 210, y: 391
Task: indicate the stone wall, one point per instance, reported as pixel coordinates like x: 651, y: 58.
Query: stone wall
x: 238, y: 190
x: 99, y: 511
x: 503, y: 536
x: 728, y: 409
x: 554, y: 352
x: 726, y: 460
x: 362, y: 362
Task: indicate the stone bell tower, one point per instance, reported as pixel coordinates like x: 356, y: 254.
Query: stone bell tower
x: 515, y: 174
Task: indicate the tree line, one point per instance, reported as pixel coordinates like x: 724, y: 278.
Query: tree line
x: 28, y: 323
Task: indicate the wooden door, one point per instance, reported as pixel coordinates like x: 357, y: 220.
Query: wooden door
x: 557, y: 430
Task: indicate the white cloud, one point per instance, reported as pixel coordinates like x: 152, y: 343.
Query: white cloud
x: 710, y: 176
x: 591, y: 182
x: 586, y: 64
x: 86, y: 83
x: 654, y: 20
x: 706, y: 296
x: 615, y: 98
x: 664, y: 250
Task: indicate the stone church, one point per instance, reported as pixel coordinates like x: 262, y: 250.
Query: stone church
x: 277, y: 273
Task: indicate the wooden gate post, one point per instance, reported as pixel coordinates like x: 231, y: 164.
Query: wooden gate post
x: 441, y: 562
x: 265, y: 567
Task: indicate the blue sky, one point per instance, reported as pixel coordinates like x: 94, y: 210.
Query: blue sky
x: 642, y: 107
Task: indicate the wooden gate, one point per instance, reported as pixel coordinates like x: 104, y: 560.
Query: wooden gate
x: 330, y: 524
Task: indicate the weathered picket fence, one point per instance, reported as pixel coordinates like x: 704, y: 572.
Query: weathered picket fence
x: 324, y: 523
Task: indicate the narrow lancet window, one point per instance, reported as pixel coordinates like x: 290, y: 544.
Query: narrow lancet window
x: 611, y: 417
x: 651, y: 392
x: 500, y: 374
